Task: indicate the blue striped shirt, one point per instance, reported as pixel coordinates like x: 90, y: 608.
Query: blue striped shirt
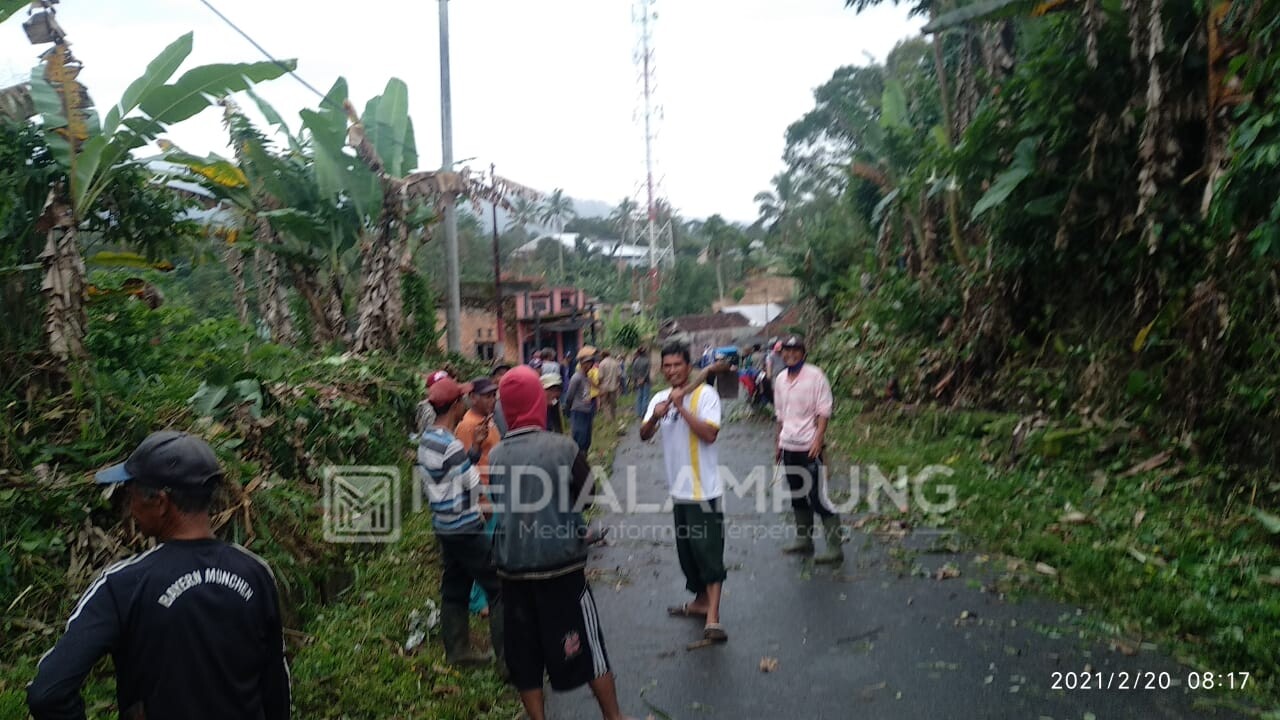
x: 450, y: 482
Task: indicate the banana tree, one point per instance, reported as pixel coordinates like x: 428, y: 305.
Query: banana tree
x: 94, y: 154
x: 392, y: 203
x: 295, y: 226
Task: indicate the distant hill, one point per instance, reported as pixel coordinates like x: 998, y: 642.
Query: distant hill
x: 584, y: 208
x: 592, y: 208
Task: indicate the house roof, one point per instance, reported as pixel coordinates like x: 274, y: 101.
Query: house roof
x: 779, y: 324
x: 609, y: 248
x: 757, y: 315
x: 713, y: 321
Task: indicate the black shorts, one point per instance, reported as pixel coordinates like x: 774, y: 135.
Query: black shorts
x: 553, y: 628
x: 700, y: 543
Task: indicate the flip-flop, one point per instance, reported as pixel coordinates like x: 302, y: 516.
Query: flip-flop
x: 715, y: 633
x: 683, y: 610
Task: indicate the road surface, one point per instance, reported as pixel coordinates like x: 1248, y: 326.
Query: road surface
x: 869, y: 640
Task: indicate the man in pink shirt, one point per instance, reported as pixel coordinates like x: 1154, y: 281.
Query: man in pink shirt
x: 802, y: 401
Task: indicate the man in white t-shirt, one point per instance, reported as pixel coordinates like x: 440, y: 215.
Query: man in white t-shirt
x: 689, y: 417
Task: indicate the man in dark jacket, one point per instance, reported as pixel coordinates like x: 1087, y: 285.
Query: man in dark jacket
x: 193, y: 624
x: 540, y: 549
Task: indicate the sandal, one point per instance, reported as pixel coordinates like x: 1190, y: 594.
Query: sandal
x: 683, y: 610
x: 715, y: 633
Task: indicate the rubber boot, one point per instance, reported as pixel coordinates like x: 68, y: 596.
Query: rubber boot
x: 497, y: 636
x: 803, y: 544
x: 831, y: 530
x: 456, y: 633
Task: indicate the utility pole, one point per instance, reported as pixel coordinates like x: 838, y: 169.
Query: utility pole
x: 453, y: 315
x: 497, y: 265
x: 647, y: 56
x: 645, y: 17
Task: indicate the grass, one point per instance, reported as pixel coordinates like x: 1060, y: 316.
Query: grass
x: 353, y: 664
x: 1159, y: 554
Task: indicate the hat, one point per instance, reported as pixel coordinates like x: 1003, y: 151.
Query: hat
x: 588, y: 352
x: 793, y: 341
x: 445, y: 391
x: 483, y: 386
x: 166, y: 459
x: 499, y: 368
x: 550, y: 381
x: 434, y: 377
x: 524, y: 404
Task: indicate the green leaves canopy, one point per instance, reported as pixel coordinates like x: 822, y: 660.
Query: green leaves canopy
x: 338, y: 173
x: 1024, y: 163
x: 978, y: 12
x: 108, y: 147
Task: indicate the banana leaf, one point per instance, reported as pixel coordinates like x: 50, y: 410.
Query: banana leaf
x: 981, y: 11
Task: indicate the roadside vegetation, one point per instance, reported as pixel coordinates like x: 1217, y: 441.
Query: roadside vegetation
x: 1038, y: 246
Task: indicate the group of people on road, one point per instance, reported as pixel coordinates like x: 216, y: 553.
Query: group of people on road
x: 194, y: 623
x: 589, y: 384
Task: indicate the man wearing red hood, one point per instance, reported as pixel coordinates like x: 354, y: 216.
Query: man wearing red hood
x: 540, y: 550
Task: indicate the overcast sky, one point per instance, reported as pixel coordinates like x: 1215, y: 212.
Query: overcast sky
x: 546, y: 90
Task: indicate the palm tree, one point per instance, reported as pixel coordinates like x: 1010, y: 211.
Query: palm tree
x: 95, y: 156
x: 776, y: 206
x: 624, y: 218
x: 557, y: 211
x: 524, y: 212
x: 719, y: 239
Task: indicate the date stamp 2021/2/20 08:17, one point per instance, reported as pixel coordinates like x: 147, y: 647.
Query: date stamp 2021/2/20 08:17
x: 1147, y: 680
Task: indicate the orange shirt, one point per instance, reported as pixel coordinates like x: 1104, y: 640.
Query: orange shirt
x: 466, y: 432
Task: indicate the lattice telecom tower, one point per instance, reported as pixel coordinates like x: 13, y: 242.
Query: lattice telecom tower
x: 660, y: 235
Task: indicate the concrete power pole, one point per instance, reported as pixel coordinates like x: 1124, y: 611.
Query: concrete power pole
x: 453, y: 315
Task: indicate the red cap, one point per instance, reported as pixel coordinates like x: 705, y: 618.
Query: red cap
x: 445, y: 390
x: 434, y: 377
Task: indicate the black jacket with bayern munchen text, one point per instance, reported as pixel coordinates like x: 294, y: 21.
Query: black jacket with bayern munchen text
x: 194, y: 629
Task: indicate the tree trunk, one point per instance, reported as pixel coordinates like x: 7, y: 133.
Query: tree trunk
x: 560, y: 249
x: 235, y: 265
x: 272, y: 300
x: 1157, y: 148
x: 379, y: 290
x: 928, y: 240
x: 335, y: 314
x: 307, y: 281
x: 64, y: 281
x: 719, y: 280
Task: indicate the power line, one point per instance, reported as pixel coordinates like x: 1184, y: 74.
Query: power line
x: 269, y: 56
x: 282, y: 65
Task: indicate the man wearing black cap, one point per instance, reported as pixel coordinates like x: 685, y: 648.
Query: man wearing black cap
x: 193, y: 624
x: 475, y: 430
x: 458, y: 508
x: 802, y: 400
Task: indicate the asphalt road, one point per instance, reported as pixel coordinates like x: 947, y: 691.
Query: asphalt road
x: 871, y: 639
